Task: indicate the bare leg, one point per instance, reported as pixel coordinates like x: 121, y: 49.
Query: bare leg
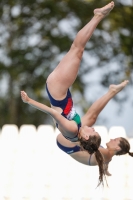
x: 90, y: 117
x: 66, y: 72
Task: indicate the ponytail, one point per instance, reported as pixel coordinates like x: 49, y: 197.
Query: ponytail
x: 91, y: 146
x: 130, y: 154
x: 124, y: 147
x: 100, y: 162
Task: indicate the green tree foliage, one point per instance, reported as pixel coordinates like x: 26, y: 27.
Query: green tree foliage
x: 34, y: 35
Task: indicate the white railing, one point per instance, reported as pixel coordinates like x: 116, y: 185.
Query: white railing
x: 33, y: 168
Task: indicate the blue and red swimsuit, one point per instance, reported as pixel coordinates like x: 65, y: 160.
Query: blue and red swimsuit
x: 68, y: 112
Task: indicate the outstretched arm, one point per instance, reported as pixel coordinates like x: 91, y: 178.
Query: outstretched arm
x: 67, y: 127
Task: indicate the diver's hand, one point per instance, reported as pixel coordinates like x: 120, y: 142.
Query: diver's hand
x: 107, y: 173
x: 24, y: 97
x: 106, y: 170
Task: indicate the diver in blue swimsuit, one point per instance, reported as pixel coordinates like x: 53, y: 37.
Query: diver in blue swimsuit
x: 117, y: 146
x: 58, y: 84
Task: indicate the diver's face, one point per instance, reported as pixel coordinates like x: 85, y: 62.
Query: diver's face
x: 86, y: 132
x: 114, y: 144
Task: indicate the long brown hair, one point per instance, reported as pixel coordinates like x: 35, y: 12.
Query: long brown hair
x: 125, y: 147
x: 91, y: 145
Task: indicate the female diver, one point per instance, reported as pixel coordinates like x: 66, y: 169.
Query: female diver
x: 57, y: 86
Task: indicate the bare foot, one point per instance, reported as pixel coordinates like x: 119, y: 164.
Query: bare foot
x: 104, y: 10
x: 119, y: 87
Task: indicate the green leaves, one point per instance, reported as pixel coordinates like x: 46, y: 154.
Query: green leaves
x: 33, y: 35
